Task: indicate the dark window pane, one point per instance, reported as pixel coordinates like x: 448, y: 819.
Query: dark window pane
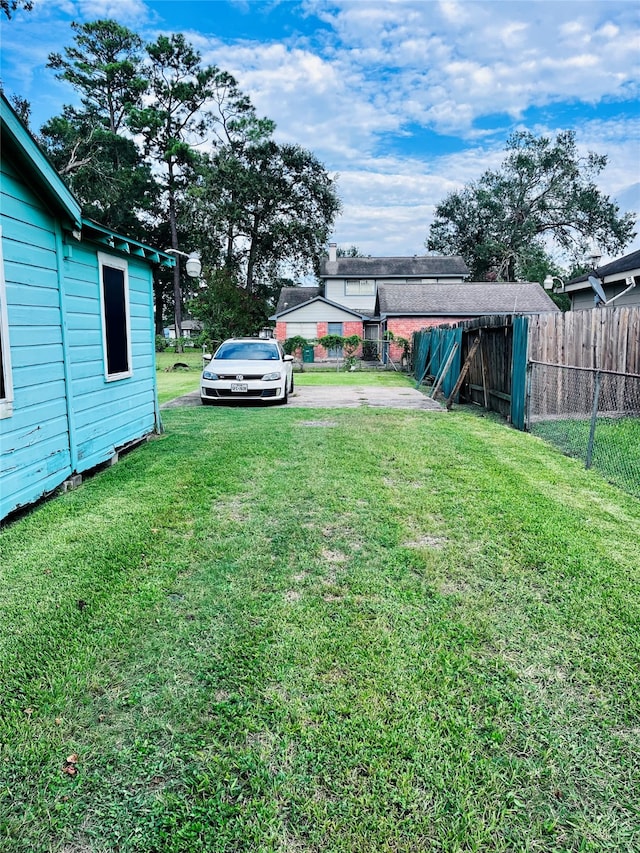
x: 3, y: 393
x: 115, y: 318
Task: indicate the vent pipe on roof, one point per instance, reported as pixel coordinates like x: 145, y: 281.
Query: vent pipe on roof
x: 333, y: 252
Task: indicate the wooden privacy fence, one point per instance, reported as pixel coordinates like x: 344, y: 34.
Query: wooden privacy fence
x: 496, y: 374
x: 603, y: 339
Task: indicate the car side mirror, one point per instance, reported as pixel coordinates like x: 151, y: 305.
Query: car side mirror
x: 288, y: 358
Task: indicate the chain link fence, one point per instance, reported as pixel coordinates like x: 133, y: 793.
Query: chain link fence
x: 591, y: 414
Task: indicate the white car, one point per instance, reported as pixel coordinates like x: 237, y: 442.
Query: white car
x: 247, y: 369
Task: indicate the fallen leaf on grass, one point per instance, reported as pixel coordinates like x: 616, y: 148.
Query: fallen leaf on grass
x: 69, y: 767
x: 28, y: 711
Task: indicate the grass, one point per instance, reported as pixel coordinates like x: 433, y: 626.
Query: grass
x: 309, y: 630
x: 616, y: 446
x: 174, y: 383
x: 328, y: 376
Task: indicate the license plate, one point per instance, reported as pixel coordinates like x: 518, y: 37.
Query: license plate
x: 239, y: 387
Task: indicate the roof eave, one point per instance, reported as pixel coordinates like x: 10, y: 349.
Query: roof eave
x: 112, y: 240
x: 280, y: 314
x: 52, y: 184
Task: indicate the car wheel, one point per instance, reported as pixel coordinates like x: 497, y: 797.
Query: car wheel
x: 285, y: 396
x: 291, y: 386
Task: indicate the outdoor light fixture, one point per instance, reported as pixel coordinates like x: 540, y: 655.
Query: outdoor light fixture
x: 193, y: 265
x: 548, y: 283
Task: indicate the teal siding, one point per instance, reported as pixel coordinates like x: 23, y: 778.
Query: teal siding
x: 108, y: 414
x: 65, y: 415
x: 34, y: 439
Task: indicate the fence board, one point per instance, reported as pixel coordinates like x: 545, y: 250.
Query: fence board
x: 605, y: 338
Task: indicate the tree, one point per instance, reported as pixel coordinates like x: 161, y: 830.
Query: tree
x: 104, y: 65
x: 544, y: 196
x: 10, y: 6
x: 227, y: 310
x: 272, y: 205
x: 351, y: 252
x: 103, y: 169
x: 89, y: 146
x: 176, y: 116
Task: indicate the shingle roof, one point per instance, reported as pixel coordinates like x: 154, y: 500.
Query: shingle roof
x: 622, y: 265
x: 461, y: 300
x: 418, y: 266
x: 290, y: 297
x: 290, y: 309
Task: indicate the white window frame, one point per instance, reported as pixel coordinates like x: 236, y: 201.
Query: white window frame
x: 6, y: 402
x: 105, y: 260
x: 308, y: 331
x: 360, y: 287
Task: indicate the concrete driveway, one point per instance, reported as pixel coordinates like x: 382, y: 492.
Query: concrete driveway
x: 341, y: 397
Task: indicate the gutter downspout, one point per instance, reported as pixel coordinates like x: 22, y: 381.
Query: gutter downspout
x: 61, y: 250
x: 156, y: 403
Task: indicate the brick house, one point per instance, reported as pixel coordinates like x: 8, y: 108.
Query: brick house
x: 345, y: 302
x: 405, y: 310
x: 372, y: 297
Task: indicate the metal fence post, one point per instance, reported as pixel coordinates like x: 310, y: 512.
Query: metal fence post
x: 594, y: 417
x: 527, y: 397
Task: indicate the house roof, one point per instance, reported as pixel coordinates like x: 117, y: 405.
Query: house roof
x: 344, y: 308
x: 188, y: 325
x: 418, y: 266
x: 291, y: 297
x: 461, y: 300
x: 17, y: 138
x: 627, y: 265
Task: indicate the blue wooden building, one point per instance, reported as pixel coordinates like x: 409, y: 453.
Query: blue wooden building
x: 77, y: 355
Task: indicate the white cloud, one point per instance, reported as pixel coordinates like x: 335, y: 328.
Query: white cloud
x: 372, y: 73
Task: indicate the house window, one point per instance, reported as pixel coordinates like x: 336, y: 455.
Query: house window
x: 359, y: 287
x: 334, y: 329
x: 116, y: 327
x: 6, y: 382
x: 304, y: 330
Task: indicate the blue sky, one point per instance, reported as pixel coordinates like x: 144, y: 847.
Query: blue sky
x: 403, y: 100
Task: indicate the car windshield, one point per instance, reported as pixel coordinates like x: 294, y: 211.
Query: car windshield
x: 245, y: 351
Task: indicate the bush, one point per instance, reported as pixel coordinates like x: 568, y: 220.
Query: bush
x: 161, y: 343
x: 292, y: 345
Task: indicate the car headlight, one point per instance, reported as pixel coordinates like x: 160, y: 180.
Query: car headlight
x: 270, y: 377
x: 207, y: 374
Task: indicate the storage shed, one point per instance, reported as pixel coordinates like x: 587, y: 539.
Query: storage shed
x: 77, y: 355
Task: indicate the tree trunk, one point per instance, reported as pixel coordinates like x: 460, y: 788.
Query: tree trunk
x: 177, y: 290
x: 159, y: 301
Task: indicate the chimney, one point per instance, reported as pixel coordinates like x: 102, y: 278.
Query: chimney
x: 333, y: 252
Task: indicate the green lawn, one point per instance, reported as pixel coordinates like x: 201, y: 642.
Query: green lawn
x: 328, y: 376
x: 323, y: 630
x: 175, y: 381
x: 616, y: 446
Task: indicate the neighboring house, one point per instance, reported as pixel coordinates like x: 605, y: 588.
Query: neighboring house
x: 405, y: 310
x: 345, y: 303
x: 77, y: 358
x: 614, y: 281
x: 354, y: 282
x: 403, y: 295
x: 303, y: 312
x: 190, y: 329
